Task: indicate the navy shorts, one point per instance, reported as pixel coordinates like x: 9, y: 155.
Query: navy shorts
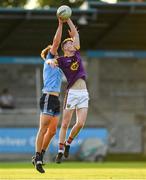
x: 50, y: 104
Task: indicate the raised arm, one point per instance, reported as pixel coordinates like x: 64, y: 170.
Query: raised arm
x: 56, y: 41
x: 57, y: 38
x: 74, y: 33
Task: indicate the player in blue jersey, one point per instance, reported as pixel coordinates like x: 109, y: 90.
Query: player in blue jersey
x: 49, y: 101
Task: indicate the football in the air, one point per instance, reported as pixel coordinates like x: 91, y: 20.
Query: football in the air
x: 64, y: 12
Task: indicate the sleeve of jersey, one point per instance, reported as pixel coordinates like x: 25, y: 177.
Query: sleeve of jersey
x: 77, y: 53
x: 58, y: 62
x: 50, y: 56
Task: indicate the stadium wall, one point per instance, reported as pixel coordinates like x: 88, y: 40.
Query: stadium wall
x: 117, y: 100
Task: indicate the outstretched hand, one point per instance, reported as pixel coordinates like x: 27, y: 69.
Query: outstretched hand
x: 51, y: 62
x: 61, y: 21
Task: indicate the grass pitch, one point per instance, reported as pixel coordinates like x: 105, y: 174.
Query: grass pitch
x: 74, y: 171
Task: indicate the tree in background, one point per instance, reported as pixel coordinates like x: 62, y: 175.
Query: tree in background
x: 57, y: 3
x: 12, y: 3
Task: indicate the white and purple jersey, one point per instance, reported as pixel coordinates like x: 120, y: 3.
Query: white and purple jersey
x: 72, y: 68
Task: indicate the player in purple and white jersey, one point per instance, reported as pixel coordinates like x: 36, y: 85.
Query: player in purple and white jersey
x: 77, y: 94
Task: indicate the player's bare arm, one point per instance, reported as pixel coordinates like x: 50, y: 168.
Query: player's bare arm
x: 56, y: 41
x: 74, y: 33
x: 57, y: 38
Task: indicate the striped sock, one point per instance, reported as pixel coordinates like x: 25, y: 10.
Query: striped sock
x: 69, y: 141
x: 61, y: 147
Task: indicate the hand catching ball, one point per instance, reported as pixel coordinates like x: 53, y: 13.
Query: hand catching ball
x: 64, y: 12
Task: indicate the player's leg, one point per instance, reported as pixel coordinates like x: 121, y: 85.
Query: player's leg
x: 44, y: 124
x: 67, y: 115
x: 46, y: 138
x: 81, y: 115
x: 51, y: 131
x: 50, y: 105
x: 54, y: 109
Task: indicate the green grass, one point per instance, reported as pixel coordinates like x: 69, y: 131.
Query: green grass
x: 74, y: 171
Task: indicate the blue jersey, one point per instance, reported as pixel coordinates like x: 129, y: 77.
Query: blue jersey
x: 52, y: 77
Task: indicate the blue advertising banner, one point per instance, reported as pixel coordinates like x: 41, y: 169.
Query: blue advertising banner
x: 14, y: 140
x: 20, y: 60
x: 86, y: 133
x: 22, y: 140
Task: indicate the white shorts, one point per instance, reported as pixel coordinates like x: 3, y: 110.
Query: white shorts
x: 76, y: 99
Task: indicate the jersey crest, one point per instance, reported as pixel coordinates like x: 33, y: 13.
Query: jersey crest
x: 74, y: 66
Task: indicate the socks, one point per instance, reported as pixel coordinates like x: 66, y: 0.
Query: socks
x: 43, y: 152
x: 38, y: 156
x: 69, y: 141
x: 61, y: 145
x: 61, y: 148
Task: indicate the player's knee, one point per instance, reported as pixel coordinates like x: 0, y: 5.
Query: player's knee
x: 42, y: 131
x: 64, y: 125
x: 80, y: 125
x: 52, y: 133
